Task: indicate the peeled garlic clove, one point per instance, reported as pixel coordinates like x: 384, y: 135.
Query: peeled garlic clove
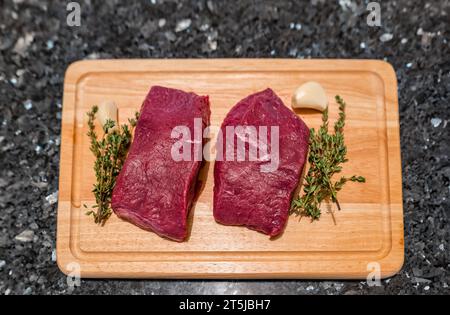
x: 310, y: 95
x: 107, y: 110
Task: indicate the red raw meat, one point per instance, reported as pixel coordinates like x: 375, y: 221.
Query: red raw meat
x: 152, y: 190
x: 243, y: 195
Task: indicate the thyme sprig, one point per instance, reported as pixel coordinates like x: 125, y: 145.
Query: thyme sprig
x: 110, y: 152
x: 326, y: 154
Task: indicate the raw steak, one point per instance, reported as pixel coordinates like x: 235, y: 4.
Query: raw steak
x: 153, y: 191
x: 243, y: 194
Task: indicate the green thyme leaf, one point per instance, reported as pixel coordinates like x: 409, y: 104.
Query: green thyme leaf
x: 110, y: 152
x: 326, y: 154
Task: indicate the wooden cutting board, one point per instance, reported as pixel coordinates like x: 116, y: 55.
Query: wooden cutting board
x: 368, y: 235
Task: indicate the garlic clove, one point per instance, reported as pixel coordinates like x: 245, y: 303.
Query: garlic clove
x: 107, y: 110
x: 310, y: 95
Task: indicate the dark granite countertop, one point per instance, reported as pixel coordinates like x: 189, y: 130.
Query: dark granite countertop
x: 37, y: 45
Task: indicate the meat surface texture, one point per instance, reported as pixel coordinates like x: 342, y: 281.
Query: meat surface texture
x: 243, y: 194
x: 153, y: 191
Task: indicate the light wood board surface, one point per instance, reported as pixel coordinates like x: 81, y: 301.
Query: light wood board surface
x: 369, y: 229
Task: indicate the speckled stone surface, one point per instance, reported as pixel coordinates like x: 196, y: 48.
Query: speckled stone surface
x: 36, y: 46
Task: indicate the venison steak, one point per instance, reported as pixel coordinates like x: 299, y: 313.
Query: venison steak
x: 153, y: 191
x: 243, y: 193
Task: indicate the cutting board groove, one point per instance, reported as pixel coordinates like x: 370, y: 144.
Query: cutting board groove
x: 369, y: 229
